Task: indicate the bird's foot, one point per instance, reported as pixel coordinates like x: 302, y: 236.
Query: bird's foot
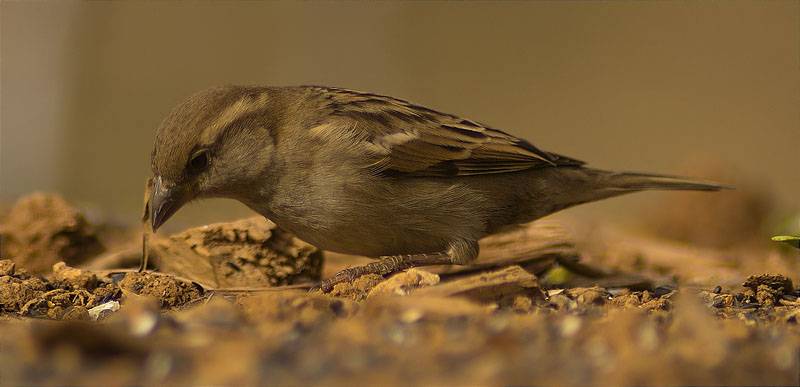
x: 344, y: 276
x: 386, y: 265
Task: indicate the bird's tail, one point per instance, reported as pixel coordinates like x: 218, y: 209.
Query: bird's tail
x: 555, y: 189
x: 583, y: 185
x: 634, y: 181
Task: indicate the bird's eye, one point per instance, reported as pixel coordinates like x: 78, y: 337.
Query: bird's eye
x: 198, y: 163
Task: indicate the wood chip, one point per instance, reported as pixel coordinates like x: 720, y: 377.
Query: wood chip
x: 485, y: 287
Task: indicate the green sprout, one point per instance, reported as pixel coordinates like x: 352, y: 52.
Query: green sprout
x: 791, y: 240
x: 558, y: 275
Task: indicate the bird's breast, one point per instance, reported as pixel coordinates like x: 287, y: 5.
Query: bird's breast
x: 373, y: 224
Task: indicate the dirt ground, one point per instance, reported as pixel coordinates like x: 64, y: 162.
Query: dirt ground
x: 546, y: 304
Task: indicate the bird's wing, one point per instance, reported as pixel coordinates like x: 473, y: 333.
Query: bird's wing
x: 412, y: 140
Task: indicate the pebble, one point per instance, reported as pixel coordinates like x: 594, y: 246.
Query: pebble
x: 793, y: 317
x: 76, y: 312
x: 101, y: 311
x: 663, y: 290
x: 7, y: 267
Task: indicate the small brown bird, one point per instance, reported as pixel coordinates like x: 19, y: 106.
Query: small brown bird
x: 367, y: 174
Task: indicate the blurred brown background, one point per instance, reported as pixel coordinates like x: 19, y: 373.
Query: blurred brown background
x: 624, y: 85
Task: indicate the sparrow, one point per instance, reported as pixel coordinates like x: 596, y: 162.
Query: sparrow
x: 367, y: 174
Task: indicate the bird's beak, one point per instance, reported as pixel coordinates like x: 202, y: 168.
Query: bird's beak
x: 165, y: 200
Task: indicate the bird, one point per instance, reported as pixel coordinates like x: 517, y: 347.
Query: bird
x: 368, y: 174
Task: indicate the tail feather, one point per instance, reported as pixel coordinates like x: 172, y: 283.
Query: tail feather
x: 558, y: 188
x: 633, y: 181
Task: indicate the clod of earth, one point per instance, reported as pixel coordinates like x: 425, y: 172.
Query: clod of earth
x: 767, y: 289
x: 69, y: 293
x: 66, y: 294
x: 170, y: 291
x: 42, y: 229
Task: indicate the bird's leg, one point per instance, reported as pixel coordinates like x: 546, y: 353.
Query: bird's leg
x: 458, y: 254
x: 386, y: 265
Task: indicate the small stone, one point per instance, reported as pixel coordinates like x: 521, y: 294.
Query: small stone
x: 747, y: 296
x: 519, y: 303
x: 616, y: 292
x: 63, y: 272
x: 663, y: 290
x: 75, y: 277
x: 170, y: 291
x: 773, y: 281
x: 562, y: 302
x: 570, y: 326
x: 793, y: 317
x: 657, y: 304
x: 35, y: 308
x: 718, y: 289
x: 55, y: 312
x: 102, y: 311
x: 627, y: 300
x: 76, y: 312
x: 403, y: 283
x: 358, y: 289
x: 586, y: 296
x: 411, y: 316
x: 7, y: 267
x: 766, y: 295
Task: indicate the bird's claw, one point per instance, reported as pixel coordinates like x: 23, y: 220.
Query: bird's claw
x: 346, y: 275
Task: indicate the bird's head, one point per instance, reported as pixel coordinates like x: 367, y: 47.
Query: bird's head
x: 217, y: 143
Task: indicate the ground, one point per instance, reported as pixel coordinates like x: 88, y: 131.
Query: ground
x: 547, y: 304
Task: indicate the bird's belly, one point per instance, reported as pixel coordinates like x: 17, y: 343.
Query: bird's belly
x: 377, y: 217
x: 362, y: 237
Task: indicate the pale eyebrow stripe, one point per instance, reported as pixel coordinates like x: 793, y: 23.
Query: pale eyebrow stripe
x: 236, y: 110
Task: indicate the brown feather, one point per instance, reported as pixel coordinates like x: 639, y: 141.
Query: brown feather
x: 420, y: 141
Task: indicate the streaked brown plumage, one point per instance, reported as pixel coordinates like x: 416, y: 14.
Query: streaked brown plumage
x: 367, y: 174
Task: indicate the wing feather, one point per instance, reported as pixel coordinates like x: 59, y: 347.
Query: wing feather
x: 417, y: 141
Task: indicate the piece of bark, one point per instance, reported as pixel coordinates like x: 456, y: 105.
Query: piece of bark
x: 250, y: 252
x: 485, y: 287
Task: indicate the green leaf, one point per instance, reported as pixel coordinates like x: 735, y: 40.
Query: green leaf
x: 791, y: 240
x: 556, y: 276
